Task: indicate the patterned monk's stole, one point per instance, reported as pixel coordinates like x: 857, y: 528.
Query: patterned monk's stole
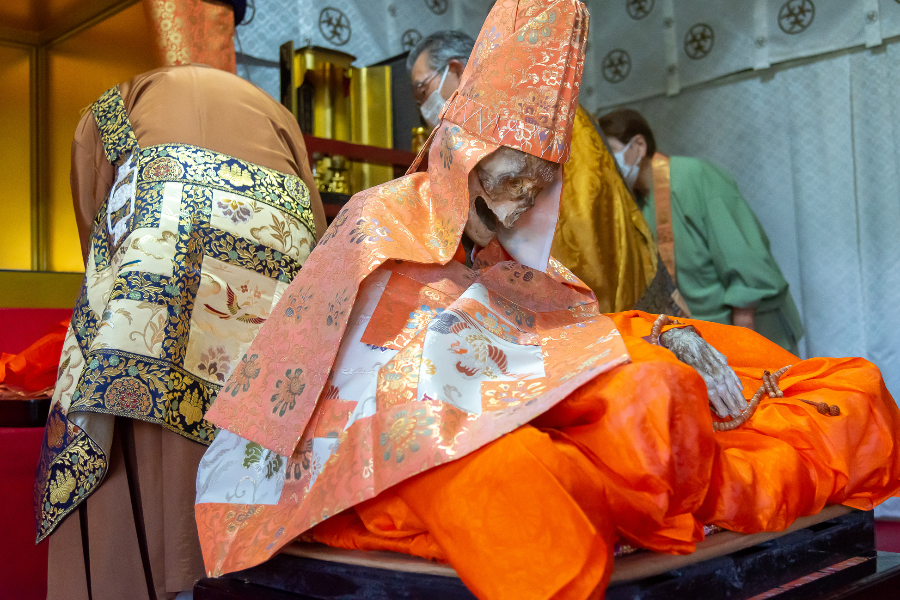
x: 189, y: 253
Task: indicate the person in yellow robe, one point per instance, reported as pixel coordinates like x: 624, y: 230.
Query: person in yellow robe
x: 477, y: 407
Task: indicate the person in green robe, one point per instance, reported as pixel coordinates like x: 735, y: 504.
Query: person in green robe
x: 707, y: 234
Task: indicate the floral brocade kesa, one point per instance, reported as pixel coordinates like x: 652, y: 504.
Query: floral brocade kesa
x: 189, y: 253
x: 386, y: 356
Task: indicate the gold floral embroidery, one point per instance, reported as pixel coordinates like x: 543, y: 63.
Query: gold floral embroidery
x: 234, y: 175
x: 65, y: 478
x: 61, y: 489
x: 112, y: 121
x: 130, y: 360
x: 191, y: 408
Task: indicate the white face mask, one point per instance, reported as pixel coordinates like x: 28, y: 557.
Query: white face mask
x: 431, y: 109
x: 629, y: 172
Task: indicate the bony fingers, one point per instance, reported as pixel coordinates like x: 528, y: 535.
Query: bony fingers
x: 734, y: 401
x: 714, y: 398
x: 718, y: 406
x: 734, y: 404
x: 735, y: 387
x: 722, y: 395
x: 737, y: 400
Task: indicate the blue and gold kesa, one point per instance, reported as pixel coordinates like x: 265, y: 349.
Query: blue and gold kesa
x: 189, y: 253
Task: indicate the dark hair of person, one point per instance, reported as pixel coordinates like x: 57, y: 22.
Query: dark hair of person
x: 442, y: 47
x: 624, y: 123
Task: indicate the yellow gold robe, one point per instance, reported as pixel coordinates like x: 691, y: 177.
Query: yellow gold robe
x: 602, y: 236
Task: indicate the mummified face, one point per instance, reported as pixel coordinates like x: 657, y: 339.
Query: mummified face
x: 502, y: 187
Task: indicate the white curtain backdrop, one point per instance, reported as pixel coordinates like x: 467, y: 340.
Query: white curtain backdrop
x: 642, y: 48
x: 636, y: 49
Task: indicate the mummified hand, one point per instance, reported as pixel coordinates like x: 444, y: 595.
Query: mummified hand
x: 722, y: 385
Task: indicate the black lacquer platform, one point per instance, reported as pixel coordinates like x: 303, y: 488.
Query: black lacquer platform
x: 831, y: 560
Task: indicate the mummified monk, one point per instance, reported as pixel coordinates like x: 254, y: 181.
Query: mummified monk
x: 489, y: 415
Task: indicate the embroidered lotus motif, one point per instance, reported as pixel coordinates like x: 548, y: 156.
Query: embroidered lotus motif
x: 246, y: 371
x: 536, y: 108
x: 404, y: 431
x: 488, y: 42
x: 422, y: 316
x: 537, y: 27
x: 215, y: 363
x: 287, y: 391
x: 236, y: 210
x: 493, y: 324
x: 368, y: 229
x: 256, y: 454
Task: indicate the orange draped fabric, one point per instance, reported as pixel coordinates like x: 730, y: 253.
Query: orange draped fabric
x: 193, y: 31
x: 33, y: 371
x: 632, y: 455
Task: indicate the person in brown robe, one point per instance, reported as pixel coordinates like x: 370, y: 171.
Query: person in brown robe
x: 136, y: 537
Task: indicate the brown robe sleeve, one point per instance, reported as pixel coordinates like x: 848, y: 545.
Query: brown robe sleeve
x: 91, y: 177
x: 298, y: 151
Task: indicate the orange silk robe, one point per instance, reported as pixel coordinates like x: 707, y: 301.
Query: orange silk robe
x: 632, y: 454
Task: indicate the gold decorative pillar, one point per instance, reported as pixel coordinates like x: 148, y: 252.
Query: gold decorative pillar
x: 370, y: 99
x: 321, y: 84
x: 333, y: 100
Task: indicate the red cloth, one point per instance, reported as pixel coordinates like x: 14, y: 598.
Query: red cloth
x: 22, y: 326
x: 34, y: 369
x: 23, y: 566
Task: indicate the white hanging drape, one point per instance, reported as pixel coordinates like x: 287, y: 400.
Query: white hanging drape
x: 637, y: 48
x: 643, y: 48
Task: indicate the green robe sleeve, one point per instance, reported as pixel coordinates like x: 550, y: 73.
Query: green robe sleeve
x: 737, y: 243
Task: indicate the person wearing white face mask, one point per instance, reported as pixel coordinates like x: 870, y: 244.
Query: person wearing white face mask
x: 435, y: 66
x: 707, y: 234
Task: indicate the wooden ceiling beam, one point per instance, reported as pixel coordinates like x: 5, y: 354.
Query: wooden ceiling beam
x: 19, y: 37
x: 85, y: 17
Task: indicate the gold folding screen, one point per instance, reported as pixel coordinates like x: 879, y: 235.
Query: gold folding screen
x: 15, y: 156
x: 56, y: 58
x: 79, y: 70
